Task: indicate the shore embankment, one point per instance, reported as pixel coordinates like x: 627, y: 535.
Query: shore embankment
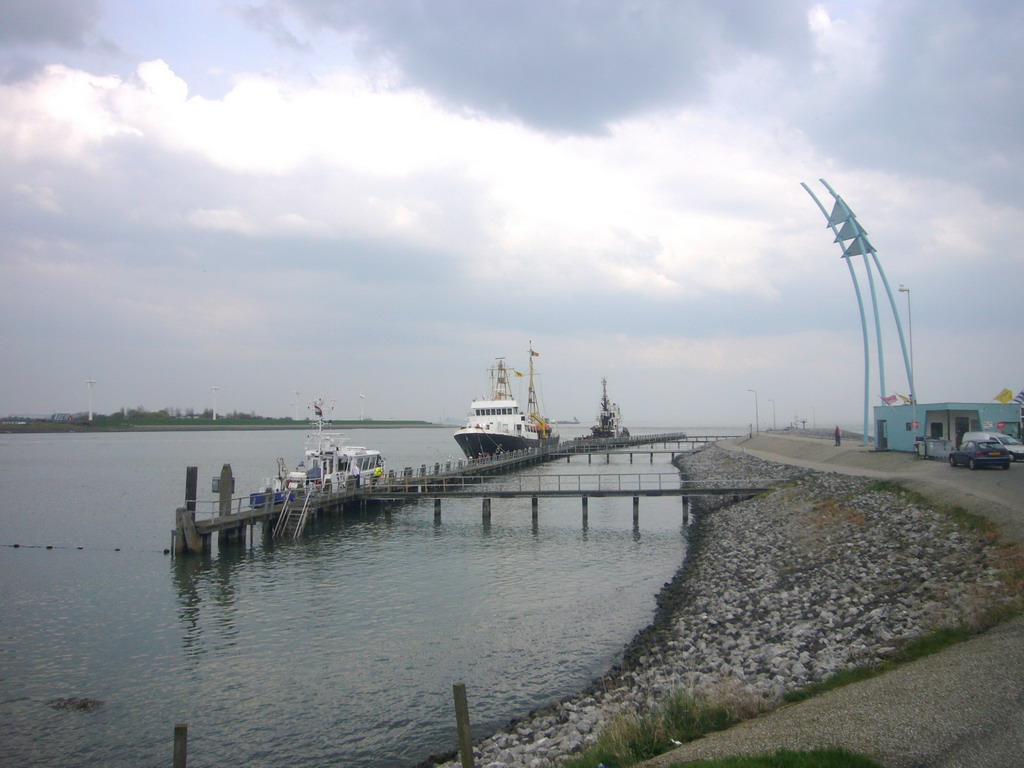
x: 826, y: 572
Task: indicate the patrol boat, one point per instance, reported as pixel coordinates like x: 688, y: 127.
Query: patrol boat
x: 329, y: 464
x: 498, y: 425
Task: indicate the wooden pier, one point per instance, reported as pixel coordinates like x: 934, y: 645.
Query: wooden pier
x: 285, y: 514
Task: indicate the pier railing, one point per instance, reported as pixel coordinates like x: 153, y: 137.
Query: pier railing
x: 230, y: 516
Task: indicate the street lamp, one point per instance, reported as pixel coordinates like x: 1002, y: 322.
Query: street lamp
x: 90, y: 383
x: 214, y: 390
x: 910, y: 326
x: 757, y: 417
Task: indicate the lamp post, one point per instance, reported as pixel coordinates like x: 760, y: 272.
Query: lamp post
x: 214, y: 390
x: 757, y: 417
x: 910, y: 327
x: 90, y: 383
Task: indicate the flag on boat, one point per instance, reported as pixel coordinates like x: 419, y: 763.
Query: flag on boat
x: 517, y: 373
x: 1004, y: 397
x: 535, y: 354
x: 1020, y: 397
x: 888, y: 399
x: 904, y: 398
x: 317, y: 409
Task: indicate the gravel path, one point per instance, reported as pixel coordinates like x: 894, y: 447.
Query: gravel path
x: 821, y: 574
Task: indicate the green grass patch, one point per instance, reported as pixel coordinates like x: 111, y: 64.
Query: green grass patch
x: 919, y: 647
x: 630, y: 739
x: 815, y: 758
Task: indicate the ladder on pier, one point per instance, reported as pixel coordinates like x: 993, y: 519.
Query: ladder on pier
x: 294, y: 516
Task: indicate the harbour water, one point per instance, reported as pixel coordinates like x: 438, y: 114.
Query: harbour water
x: 339, y: 649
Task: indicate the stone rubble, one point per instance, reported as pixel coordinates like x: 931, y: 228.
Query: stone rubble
x: 780, y: 591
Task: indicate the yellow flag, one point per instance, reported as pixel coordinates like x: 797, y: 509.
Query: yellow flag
x: 1004, y: 397
x: 517, y: 373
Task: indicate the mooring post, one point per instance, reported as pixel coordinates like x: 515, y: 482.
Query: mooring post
x: 636, y: 509
x: 585, y: 501
x: 686, y: 510
x: 486, y: 512
x: 630, y: 457
x: 227, y: 487
x: 533, y: 507
x: 191, y: 488
x: 462, y: 723
x: 180, y: 745
x: 437, y: 510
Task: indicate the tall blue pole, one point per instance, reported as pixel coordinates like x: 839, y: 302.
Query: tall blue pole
x: 859, y: 245
x: 860, y: 308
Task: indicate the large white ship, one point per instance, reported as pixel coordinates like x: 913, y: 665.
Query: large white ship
x: 498, y: 424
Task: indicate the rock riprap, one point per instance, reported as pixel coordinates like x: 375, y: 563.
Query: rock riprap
x: 826, y: 572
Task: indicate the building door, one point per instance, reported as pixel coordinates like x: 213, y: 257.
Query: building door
x: 961, y: 425
x: 881, y: 435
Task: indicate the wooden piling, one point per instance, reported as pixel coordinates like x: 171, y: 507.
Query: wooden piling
x: 180, y: 745
x: 191, y: 488
x: 437, y: 510
x: 225, y: 490
x: 636, y: 510
x: 585, y: 504
x: 462, y: 724
x: 486, y: 511
x: 533, y: 507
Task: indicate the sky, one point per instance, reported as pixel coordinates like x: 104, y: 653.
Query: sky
x: 369, y: 201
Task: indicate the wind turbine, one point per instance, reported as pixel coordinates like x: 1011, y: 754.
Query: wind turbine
x: 90, y: 383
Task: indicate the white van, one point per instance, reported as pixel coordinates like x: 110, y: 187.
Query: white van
x: 1012, y: 444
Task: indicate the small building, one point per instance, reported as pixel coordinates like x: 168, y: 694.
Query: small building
x: 933, y: 429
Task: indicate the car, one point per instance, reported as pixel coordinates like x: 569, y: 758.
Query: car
x: 1010, y: 443
x: 980, y: 453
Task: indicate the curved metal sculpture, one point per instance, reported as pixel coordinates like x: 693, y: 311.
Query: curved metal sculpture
x: 853, y: 240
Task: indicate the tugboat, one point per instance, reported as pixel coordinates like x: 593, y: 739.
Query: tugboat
x: 498, y: 425
x: 609, y: 420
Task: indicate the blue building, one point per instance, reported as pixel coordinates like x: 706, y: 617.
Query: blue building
x: 933, y: 429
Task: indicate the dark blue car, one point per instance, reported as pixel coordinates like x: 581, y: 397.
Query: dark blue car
x: 980, y: 453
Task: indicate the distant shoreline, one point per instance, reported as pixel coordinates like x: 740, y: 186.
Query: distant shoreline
x: 77, y: 428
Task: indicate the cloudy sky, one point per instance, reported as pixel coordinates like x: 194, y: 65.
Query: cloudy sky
x: 379, y: 197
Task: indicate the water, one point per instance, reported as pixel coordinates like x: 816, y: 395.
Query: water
x: 338, y: 649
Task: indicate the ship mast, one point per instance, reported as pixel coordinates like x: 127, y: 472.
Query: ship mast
x: 532, y: 407
x: 500, y: 387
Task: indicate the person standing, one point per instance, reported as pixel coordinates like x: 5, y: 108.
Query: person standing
x: 839, y: 437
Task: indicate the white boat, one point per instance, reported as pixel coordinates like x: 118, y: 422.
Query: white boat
x: 329, y: 465
x: 609, y: 419
x: 497, y: 424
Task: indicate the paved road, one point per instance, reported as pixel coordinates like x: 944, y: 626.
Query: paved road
x: 962, y: 708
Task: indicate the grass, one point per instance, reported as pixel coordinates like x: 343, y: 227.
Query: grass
x: 817, y: 758
x: 682, y: 717
x: 919, y: 647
